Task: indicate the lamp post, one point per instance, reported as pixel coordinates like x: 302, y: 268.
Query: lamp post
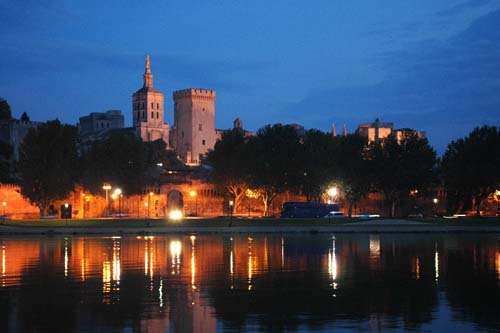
x: 106, y: 187
x: 435, y: 201
x: 231, y: 203
x: 4, y: 204
x: 194, y: 195
x: 66, y: 205
x: 332, y: 193
x: 118, y: 194
x: 149, y: 203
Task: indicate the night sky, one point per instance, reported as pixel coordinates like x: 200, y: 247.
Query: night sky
x: 432, y: 65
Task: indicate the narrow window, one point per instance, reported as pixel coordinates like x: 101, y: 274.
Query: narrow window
x: 203, y: 142
x: 158, y: 106
x: 143, y: 114
x: 152, y: 107
x: 157, y: 115
x: 152, y: 115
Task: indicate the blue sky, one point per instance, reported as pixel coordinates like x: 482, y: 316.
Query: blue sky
x: 432, y: 65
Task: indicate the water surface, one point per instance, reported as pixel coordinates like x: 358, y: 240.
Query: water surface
x: 290, y: 283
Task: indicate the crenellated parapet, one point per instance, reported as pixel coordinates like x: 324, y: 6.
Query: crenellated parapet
x: 14, y: 187
x: 195, y: 93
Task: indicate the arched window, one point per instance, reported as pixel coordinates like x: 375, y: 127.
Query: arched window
x: 158, y: 106
x: 157, y: 115
x: 152, y: 114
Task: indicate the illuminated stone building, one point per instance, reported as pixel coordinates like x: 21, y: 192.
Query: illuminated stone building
x: 148, y: 110
x: 194, y: 124
x: 378, y: 130
x: 375, y: 131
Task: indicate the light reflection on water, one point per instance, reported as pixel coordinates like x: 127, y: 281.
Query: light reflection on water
x: 197, y: 283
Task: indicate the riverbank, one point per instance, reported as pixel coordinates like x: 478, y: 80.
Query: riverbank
x: 241, y: 226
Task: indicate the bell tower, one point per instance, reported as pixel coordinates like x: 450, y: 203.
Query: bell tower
x: 148, y: 110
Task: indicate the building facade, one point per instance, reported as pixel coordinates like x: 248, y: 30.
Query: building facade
x: 194, y: 124
x: 101, y: 121
x: 375, y: 131
x: 13, y: 131
x: 148, y: 110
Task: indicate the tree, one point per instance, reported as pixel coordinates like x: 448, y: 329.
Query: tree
x: 228, y: 160
x: 399, y: 166
x: 353, y: 169
x: 273, y: 166
x: 5, y: 112
x: 25, y: 118
x: 6, y: 152
x: 317, y: 156
x: 471, y: 166
x: 125, y: 161
x: 48, y: 163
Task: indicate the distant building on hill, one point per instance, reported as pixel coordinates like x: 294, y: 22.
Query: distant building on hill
x: 380, y: 130
x: 99, y: 126
x: 101, y: 122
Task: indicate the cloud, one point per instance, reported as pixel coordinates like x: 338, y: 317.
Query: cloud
x: 463, y: 7
x: 444, y: 87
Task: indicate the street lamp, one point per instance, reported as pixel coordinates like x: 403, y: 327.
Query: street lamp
x: 149, y: 202
x: 106, y: 187
x: 435, y: 201
x: 332, y: 193
x: 194, y: 195
x: 231, y: 203
x: 118, y: 194
x: 4, y: 204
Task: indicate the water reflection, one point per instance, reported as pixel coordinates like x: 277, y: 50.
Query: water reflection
x: 211, y: 283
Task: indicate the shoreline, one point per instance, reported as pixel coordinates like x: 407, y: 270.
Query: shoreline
x: 379, y: 226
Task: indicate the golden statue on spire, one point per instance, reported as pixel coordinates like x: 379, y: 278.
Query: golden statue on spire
x: 148, y: 65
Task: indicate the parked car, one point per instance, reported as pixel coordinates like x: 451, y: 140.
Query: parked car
x: 334, y: 215
x: 367, y: 216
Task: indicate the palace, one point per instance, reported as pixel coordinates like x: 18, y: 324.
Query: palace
x: 193, y: 132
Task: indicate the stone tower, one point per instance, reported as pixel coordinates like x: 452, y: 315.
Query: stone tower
x: 148, y: 110
x: 194, y: 119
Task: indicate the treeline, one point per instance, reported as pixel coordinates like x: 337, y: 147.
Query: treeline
x: 282, y: 158
x: 278, y: 159
x: 52, y: 163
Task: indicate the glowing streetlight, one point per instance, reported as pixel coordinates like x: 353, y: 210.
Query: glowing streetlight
x: 118, y: 194
x: 4, y: 204
x: 106, y: 187
x: 435, y: 201
x: 231, y: 203
x: 175, y: 215
x: 332, y: 193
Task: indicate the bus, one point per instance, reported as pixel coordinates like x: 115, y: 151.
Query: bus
x: 307, y: 209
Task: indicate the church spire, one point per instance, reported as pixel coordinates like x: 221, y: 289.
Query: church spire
x: 334, y: 131
x: 148, y: 76
x: 344, y: 131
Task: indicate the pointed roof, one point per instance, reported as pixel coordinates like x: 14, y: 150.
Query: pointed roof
x: 148, y: 79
